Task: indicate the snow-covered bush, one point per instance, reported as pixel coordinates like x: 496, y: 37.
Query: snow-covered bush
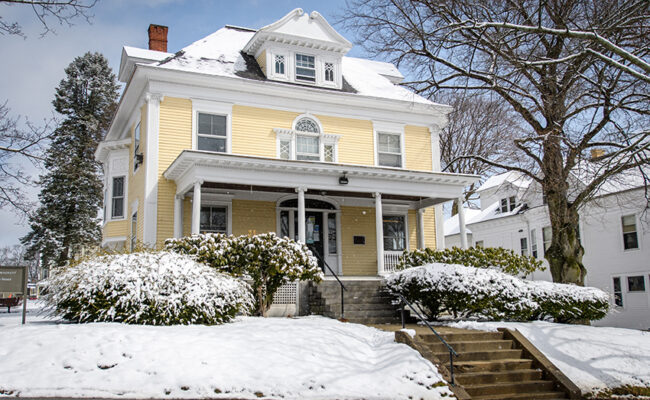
x: 480, y: 257
x: 487, y: 293
x: 151, y: 288
x: 267, y: 260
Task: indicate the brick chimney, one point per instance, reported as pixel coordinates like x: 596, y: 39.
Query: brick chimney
x: 596, y: 153
x: 158, y: 38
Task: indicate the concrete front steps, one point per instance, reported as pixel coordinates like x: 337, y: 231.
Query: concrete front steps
x: 493, y: 365
x: 365, y: 301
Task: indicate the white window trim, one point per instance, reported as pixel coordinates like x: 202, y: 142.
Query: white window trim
x: 638, y: 232
x: 219, y: 203
x: 400, y: 133
x: 292, y: 134
x: 388, y: 210
x: 317, y: 63
x: 271, y: 68
x: 215, y: 108
x: 124, y: 198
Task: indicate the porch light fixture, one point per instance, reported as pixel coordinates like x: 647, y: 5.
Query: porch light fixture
x: 343, y: 180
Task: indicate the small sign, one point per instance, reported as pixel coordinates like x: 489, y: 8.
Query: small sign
x: 12, y: 280
x: 359, y: 240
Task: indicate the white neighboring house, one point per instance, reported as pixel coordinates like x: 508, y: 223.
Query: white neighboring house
x: 614, y: 231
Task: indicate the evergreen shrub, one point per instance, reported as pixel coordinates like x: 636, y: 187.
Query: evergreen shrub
x: 267, y: 260
x: 149, y: 288
x: 487, y: 293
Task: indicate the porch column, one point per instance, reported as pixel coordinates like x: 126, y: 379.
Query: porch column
x: 178, y: 216
x: 196, y: 208
x: 461, y: 223
x: 421, y: 244
x: 301, y: 215
x: 379, y: 226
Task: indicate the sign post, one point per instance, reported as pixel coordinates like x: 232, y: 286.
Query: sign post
x: 14, y: 280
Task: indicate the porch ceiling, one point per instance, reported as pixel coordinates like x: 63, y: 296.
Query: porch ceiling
x: 239, y: 172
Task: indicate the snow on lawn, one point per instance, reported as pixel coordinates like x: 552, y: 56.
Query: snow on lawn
x: 594, y: 358
x: 311, y: 357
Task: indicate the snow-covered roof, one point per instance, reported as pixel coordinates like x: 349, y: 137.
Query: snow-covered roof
x: 135, y: 55
x: 220, y: 54
x: 515, y: 178
x: 586, y: 171
x: 493, y: 211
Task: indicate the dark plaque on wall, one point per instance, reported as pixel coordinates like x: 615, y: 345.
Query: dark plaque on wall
x: 359, y: 240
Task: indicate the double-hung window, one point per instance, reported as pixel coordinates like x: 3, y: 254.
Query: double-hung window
x: 394, y: 233
x: 547, y: 236
x: 307, y: 147
x: 214, y: 219
x: 305, y: 68
x: 117, y: 198
x: 212, y: 132
x: 630, y: 237
x: 508, y: 204
x: 389, y: 150
x: 523, y: 243
x: 618, y: 292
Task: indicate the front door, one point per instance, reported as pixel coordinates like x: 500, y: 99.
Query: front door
x: 313, y: 233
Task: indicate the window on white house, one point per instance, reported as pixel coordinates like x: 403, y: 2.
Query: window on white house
x: 136, y: 147
x: 533, y: 242
x: 214, y: 219
x: 394, y: 233
x: 279, y: 64
x: 134, y: 230
x: 635, y: 284
x: 117, y: 196
x: 547, y: 236
x: 630, y: 238
x: 618, y: 292
x: 389, y: 150
x: 285, y: 149
x: 212, y: 132
x: 523, y: 244
x: 329, y: 72
x: 305, y: 68
x: 508, y: 204
x: 479, y: 243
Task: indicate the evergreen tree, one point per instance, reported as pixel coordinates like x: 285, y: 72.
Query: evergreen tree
x: 71, y: 189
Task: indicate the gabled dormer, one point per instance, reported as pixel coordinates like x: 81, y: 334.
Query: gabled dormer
x: 300, y: 48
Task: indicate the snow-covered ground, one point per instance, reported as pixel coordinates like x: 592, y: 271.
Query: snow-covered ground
x: 311, y: 357
x: 594, y: 358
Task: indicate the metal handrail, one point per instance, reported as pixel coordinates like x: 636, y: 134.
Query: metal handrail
x: 452, y: 352
x: 337, y: 279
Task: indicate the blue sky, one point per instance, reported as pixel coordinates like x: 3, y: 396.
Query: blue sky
x: 32, y: 67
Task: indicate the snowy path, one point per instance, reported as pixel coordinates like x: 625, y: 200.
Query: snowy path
x: 594, y: 358
x: 311, y: 357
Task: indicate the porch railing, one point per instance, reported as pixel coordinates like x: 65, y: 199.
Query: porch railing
x: 391, y: 259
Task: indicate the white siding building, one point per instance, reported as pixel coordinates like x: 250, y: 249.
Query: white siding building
x: 614, y: 231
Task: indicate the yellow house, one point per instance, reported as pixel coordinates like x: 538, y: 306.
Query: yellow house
x: 275, y: 130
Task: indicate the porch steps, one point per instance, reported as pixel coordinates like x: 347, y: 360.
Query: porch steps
x: 366, y: 302
x: 493, y: 365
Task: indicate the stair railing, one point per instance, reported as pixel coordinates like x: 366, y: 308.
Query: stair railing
x: 343, y: 288
x: 452, y: 352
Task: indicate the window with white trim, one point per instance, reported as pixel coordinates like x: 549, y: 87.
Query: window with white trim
x: 329, y: 72
x: 306, y: 142
x: 305, y: 68
x: 618, y: 291
x: 214, y: 219
x: 307, y: 148
x: 279, y: 64
x: 479, y: 243
x: 508, y: 204
x: 136, y: 147
x: 394, y: 233
x: 533, y: 242
x: 547, y: 236
x: 636, y: 283
x: 117, y: 197
x: 523, y: 244
x: 211, y: 132
x: 630, y: 237
x: 389, y: 149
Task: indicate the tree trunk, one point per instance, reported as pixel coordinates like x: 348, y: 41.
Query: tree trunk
x: 261, y: 300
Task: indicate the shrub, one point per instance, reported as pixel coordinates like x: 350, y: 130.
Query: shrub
x: 487, y: 293
x: 267, y: 260
x: 480, y: 257
x: 154, y: 288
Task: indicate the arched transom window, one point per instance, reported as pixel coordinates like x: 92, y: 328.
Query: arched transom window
x: 307, y: 125
x: 306, y: 141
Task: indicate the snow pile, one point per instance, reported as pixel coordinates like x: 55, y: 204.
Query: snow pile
x: 468, y: 291
x: 594, y: 358
x: 305, y: 358
x: 147, y: 288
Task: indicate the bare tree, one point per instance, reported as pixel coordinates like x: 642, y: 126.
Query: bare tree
x: 62, y: 12
x: 575, y: 71
x: 478, y: 125
x: 19, y: 142
x: 16, y: 255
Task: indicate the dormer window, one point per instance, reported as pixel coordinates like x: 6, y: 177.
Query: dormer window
x: 305, y: 68
x: 329, y: 72
x: 279, y: 64
x: 508, y: 204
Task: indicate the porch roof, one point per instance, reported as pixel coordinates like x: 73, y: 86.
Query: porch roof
x: 270, y: 174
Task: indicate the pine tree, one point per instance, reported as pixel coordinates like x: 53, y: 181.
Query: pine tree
x: 71, y: 189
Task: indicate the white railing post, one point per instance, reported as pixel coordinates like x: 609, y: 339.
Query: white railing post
x: 301, y: 215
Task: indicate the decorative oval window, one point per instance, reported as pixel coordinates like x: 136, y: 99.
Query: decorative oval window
x: 307, y: 125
